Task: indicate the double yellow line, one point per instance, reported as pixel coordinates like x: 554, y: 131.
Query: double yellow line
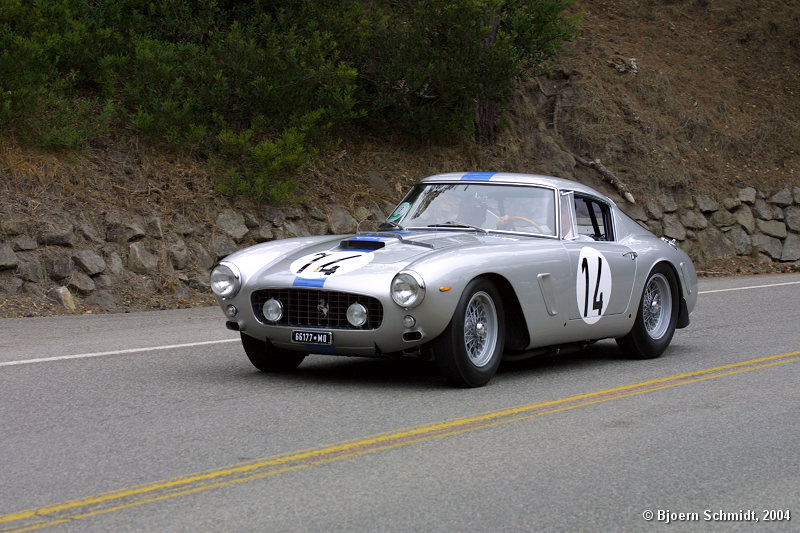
x: 239, y: 473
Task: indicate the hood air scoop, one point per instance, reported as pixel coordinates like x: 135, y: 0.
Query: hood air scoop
x: 362, y: 244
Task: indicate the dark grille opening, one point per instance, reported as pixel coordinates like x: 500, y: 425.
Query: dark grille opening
x: 305, y: 308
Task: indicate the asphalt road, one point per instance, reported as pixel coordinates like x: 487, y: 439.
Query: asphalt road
x: 157, y: 422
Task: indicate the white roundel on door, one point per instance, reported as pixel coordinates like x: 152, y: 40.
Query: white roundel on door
x: 593, y: 285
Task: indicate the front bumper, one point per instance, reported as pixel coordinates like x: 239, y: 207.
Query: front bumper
x: 391, y: 336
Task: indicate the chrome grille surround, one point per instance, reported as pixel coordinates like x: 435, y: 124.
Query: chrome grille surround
x: 312, y: 308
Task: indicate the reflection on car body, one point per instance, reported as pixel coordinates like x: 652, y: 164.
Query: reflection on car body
x: 468, y: 268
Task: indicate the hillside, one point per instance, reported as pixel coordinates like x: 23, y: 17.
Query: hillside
x: 676, y: 98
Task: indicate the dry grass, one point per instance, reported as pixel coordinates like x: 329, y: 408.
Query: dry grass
x: 143, y: 181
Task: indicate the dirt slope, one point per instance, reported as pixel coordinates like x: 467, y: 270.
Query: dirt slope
x: 704, y: 92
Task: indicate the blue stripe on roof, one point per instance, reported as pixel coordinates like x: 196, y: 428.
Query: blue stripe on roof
x: 477, y: 176
x: 315, y: 283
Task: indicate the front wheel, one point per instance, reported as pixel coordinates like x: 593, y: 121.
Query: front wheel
x: 268, y: 358
x: 656, y: 318
x: 469, y: 350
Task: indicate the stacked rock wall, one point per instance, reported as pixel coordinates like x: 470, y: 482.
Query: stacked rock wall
x: 114, y: 261
x: 746, y: 223
x: 121, y: 261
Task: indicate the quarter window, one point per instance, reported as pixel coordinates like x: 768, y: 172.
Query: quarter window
x: 593, y: 218
x: 567, y: 217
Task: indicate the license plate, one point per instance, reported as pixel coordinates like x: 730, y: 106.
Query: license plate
x: 312, y: 337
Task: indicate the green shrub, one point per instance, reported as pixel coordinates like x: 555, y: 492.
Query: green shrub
x: 258, y: 87
x: 426, y: 67
x: 262, y: 168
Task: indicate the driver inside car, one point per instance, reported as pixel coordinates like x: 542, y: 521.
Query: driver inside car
x: 525, y: 214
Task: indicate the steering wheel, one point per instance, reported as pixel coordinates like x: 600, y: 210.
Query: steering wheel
x: 529, y: 221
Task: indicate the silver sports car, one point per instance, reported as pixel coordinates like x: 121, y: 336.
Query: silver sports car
x: 468, y: 267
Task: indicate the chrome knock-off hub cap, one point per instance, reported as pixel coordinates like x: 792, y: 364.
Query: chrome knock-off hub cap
x: 480, y: 329
x: 657, y: 306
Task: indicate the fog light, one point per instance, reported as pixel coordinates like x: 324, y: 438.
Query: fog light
x: 231, y: 311
x: 273, y: 310
x: 409, y: 321
x: 357, y: 314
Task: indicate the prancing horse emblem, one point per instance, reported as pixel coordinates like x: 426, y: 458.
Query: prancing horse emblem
x: 322, y: 308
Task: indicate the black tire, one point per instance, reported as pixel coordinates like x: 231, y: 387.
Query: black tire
x: 268, y: 358
x: 468, y: 352
x: 656, y: 317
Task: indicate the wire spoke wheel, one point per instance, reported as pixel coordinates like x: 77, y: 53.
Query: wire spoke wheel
x: 469, y: 350
x: 657, y: 315
x: 657, y: 306
x: 480, y: 329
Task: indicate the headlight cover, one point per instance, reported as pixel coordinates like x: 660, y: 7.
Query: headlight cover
x: 226, y: 280
x: 408, y: 289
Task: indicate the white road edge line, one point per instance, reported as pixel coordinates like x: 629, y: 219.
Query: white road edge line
x: 751, y: 287
x: 114, y: 352
x: 222, y: 341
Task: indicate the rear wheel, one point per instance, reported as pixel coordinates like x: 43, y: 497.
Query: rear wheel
x: 656, y: 318
x: 268, y: 358
x: 468, y: 352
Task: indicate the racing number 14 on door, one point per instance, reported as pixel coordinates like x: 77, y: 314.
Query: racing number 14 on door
x: 593, y: 285
x: 597, y: 304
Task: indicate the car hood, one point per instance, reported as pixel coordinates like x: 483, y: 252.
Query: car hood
x: 393, y: 247
x: 318, y: 261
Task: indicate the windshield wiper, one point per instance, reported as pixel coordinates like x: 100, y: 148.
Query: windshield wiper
x: 454, y: 225
x: 391, y: 224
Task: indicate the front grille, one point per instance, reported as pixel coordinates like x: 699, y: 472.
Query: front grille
x: 305, y: 308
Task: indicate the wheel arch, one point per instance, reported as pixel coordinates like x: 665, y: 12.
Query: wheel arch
x: 683, y: 309
x: 517, y: 336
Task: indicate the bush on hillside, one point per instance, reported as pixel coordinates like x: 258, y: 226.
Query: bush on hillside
x: 259, y: 87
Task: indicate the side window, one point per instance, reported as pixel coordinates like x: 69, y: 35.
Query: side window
x: 593, y: 219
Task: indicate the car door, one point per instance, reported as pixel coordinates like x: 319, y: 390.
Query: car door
x: 603, y: 270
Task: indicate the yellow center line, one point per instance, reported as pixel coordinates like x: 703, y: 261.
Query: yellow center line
x: 268, y: 466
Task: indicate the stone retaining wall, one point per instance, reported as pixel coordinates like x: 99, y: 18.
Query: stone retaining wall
x: 747, y: 223
x: 115, y: 261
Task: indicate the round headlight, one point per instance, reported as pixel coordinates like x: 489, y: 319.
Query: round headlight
x: 408, y: 289
x: 225, y: 280
x: 357, y: 314
x: 273, y: 310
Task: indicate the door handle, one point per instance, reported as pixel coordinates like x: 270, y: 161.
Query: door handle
x: 633, y: 254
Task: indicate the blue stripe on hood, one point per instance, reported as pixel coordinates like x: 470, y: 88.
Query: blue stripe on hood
x: 315, y: 283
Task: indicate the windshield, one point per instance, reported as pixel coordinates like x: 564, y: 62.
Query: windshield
x: 480, y: 206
